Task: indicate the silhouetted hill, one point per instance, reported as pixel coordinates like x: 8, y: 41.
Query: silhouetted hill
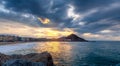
x: 73, y: 37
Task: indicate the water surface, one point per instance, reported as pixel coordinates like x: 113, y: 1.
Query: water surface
x: 71, y: 53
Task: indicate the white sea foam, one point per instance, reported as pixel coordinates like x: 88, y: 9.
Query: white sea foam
x: 13, y: 47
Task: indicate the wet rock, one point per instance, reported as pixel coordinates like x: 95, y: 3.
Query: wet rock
x: 44, y: 57
x: 18, y: 62
x: 3, y: 58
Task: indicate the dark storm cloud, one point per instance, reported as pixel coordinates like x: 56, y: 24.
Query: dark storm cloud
x: 31, y: 6
x: 56, y: 11
x: 86, y: 5
x: 105, y: 17
x: 103, y: 14
x: 44, y: 8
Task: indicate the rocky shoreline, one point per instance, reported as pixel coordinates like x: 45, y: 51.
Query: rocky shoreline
x: 33, y: 59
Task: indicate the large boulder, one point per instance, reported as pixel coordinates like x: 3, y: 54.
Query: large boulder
x: 3, y: 58
x: 44, y: 57
x: 18, y: 62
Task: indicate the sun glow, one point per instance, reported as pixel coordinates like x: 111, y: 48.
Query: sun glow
x: 29, y: 31
x: 54, y: 33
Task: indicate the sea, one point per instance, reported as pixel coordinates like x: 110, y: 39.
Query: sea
x: 99, y: 53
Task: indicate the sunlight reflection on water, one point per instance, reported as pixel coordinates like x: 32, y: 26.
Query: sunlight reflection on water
x: 59, y: 52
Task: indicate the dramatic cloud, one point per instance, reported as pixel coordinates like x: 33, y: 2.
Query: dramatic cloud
x: 15, y: 28
x: 91, y: 36
x: 92, y: 19
x: 106, y: 31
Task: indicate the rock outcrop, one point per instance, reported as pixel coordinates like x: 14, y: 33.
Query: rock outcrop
x: 32, y: 58
x: 3, y: 58
x: 18, y: 62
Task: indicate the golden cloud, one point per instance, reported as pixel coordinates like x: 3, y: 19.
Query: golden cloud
x: 44, y: 20
x: 28, y: 31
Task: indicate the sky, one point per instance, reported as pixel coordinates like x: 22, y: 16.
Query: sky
x: 89, y: 19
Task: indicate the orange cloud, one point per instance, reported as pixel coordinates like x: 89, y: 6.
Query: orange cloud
x: 44, y: 20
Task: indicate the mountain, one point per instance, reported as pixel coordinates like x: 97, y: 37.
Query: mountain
x: 73, y: 37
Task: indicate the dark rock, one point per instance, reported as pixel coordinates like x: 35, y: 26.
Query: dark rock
x: 18, y: 62
x: 3, y: 58
x: 44, y: 57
